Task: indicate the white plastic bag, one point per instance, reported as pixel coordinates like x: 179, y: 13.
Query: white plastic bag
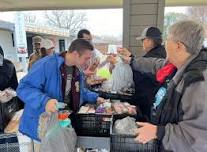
x: 25, y: 143
x: 125, y: 126
x: 7, y: 95
x: 57, y: 138
x: 13, y: 125
x: 122, y: 76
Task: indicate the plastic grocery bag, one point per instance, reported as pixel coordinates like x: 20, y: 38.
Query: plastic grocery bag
x: 122, y: 76
x: 125, y: 126
x: 54, y: 137
x: 13, y: 125
x: 7, y: 95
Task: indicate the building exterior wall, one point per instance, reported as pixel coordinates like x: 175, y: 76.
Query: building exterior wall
x: 102, y: 47
x: 55, y: 39
x: 6, y: 43
x: 138, y: 14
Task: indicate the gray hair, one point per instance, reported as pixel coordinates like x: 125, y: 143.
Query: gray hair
x: 190, y: 33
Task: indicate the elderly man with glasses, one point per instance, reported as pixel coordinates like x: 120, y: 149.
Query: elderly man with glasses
x: 179, y: 115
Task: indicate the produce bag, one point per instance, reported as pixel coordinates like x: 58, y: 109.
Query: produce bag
x: 54, y: 137
x: 121, y: 77
x: 125, y: 126
x: 6, y: 95
x: 13, y: 125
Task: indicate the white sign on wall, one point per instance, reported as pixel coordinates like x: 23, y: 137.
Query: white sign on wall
x: 20, y: 34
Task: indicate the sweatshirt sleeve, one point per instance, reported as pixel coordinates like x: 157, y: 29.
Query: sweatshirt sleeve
x: 147, y: 65
x: 13, y: 82
x: 190, y: 134
x: 89, y: 96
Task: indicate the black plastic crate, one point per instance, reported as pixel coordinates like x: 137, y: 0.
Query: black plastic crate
x: 9, y: 143
x: 97, y: 125
x: 127, y: 143
x: 13, y: 143
x: 7, y: 110
x: 109, y: 95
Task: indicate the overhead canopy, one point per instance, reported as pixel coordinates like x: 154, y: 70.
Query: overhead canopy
x: 186, y: 2
x: 14, y: 5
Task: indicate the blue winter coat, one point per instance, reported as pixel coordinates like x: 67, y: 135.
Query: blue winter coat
x: 43, y: 82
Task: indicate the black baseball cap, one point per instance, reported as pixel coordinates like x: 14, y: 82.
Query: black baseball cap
x: 150, y: 32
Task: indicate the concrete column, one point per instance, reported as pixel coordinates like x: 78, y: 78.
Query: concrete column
x: 138, y: 14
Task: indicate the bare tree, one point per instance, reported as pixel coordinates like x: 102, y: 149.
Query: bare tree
x: 117, y: 40
x: 66, y: 19
x: 198, y: 13
x: 170, y: 19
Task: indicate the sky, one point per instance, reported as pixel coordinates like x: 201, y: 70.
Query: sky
x: 100, y: 22
x: 175, y: 9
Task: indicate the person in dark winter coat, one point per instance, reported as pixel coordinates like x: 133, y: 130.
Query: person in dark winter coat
x: 178, y: 118
x: 8, y: 77
x: 145, y: 83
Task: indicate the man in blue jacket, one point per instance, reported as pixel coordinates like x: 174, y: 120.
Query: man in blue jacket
x: 54, y: 79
